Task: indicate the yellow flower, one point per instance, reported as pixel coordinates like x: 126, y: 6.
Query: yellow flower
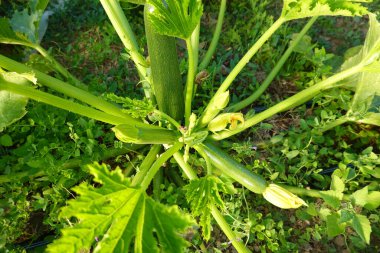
x: 281, y: 197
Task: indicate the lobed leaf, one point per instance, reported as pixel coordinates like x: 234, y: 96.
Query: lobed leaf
x: 175, y: 18
x: 295, y: 9
x: 117, y: 218
x: 202, y: 194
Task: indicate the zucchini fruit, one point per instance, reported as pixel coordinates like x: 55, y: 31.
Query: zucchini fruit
x: 229, y: 167
x: 166, y: 75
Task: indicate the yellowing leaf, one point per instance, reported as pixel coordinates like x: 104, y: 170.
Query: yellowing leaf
x: 362, y: 226
x: 112, y: 216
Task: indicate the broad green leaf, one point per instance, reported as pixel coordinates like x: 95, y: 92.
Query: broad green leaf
x: 337, y: 184
x: 362, y: 226
x: 25, y: 23
x: 332, y: 198
x: 202, y: 194
x: 373, y: 200
x: 295, y: 9
x: 360, y: 197
x: 334, y: 227
x: 346, y: 215
x: 175, y: 18
x: 110, y: 217
x: 12, y: 106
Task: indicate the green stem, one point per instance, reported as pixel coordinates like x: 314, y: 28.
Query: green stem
x: 64, y: 104
x: 306, y: 192
x: 189, y: 82
x: 120, y: 23
x: 236, y: 242
x: 63, y: 87
x: 189, y: 172
x: 158, y: 163
x: 252, y: 98
x: 291, y: 102
x: 195, y: 45
x: 207, y: 160
x: 146, y: 164
x: 214, y: 42
x: 168, y: 118
x: 241, y: 64
x: 214, y: 211
x: 333, y: 124
x: 157, y: 182
x: 59, y: 67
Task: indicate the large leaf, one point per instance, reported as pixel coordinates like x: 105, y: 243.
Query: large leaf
x: 8, y: 36
x: 175, y: 18
x: 202, y: 194
x: 294, y: 9
x: 362, y: 226
x: 12, y: 106
x: 116, y: 217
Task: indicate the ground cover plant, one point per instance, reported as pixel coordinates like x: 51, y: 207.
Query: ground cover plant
x: 177, y: 131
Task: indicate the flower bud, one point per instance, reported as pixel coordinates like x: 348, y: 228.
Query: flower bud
x: 220, y: 122
x: 281, y: 197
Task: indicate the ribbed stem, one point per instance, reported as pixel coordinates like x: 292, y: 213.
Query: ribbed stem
x: 252, y: 98
x: 146, y: 164
x: 189, y: 82
x: 215, y: 38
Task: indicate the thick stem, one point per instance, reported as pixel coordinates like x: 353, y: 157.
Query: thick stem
x: 333, y: 124
x: 236, y: 241
x: 60, y: 68
x: 306, y: 192
x: 189, y: 82
x: 120, y: 23
x: 252, y: 98
x: 214, y: 211
x: 63, y: 87
x: 289, y: 103
x: 158, y: 163
x: 64, y: 104
x: 214, y: 42
x: 244, y: 61
x: 195, y: 45
x: 145, y: 165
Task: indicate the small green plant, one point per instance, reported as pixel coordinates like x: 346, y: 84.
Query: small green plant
x: 118, y: 214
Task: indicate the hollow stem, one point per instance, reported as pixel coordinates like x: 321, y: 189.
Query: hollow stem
x: 245, y: 59
x: 252, y: 98
x: 158, y: 163
x: 146, y: 164
x: 60, y: 68
x: 291, y: 102
x: 64, y: 104
x: 63, y: 87
x: 189, y: 82
x: 214, y: 42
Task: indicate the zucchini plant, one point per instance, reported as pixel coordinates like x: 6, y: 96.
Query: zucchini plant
x: 119, y: 215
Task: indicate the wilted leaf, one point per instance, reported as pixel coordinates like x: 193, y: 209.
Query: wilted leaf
x: 113, y: 215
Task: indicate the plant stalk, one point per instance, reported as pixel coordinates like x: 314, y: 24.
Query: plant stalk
x: 63, y: 87
x: 145, y: 165
x: 306, y: 192
x: 158, y: 163
x: 252, y: 98
x: 215, y: 38
x: 291, y: 102
x: 60, y: 68
x: 65, y: 104
x: 189, y: 82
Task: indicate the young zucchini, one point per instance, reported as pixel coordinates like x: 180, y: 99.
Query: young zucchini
x: 167, y: 82
x: 233, y: 169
